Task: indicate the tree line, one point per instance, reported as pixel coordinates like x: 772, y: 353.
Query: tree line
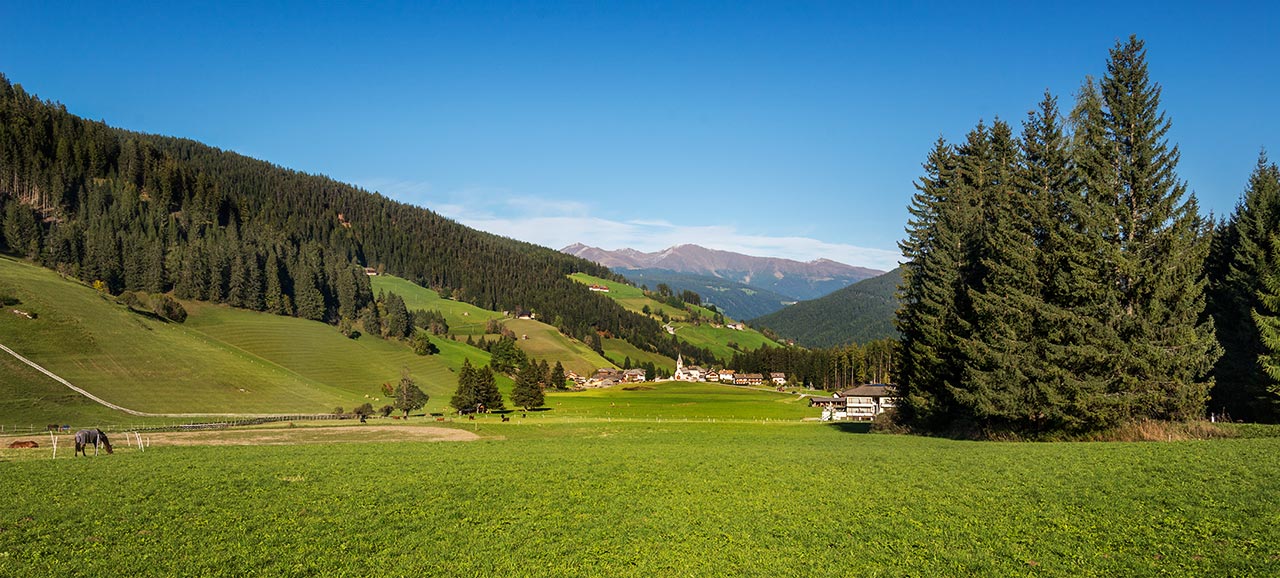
x: 1057, y: 280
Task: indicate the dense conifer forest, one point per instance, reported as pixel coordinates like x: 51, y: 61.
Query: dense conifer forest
x: 1057, y: 280
x: 144, y: 213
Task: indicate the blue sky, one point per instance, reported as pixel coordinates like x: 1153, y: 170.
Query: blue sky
x: 788, y: 129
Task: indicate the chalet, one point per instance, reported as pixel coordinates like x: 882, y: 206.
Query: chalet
x: 634, y: 375
x: 726, y: 376
x: 862, y: 403
x: 738, y: 326
x: 370, y: 271
x: 605, y: 377
x: 712, y: 375
x: 778, y: 378
x: 748, y: 379
x: 600, y: 288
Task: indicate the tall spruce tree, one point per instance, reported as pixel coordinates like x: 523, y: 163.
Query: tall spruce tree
x: 1156, y: 245
x: 1002, y: 365
x: 527, y: 392
x: 1242, y: 256
x: 930, y: 275
x: 1267, y: 317
x: 464, y: 397
x: 486, y: 390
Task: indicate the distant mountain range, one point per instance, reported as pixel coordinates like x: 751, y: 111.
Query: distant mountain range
x: 858, y: 313
x: 735, y: 299
x: 793, y: 279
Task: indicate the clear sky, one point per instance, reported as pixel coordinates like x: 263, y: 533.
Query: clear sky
x: 788, y: 129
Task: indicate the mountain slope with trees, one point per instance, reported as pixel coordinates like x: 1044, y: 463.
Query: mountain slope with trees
x: 860, y: 313
x: 137, y: 212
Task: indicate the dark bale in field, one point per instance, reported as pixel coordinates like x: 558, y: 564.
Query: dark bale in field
x: 23, y: 444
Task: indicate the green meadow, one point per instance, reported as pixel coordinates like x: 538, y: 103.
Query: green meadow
x: 537, y: 339
x: 671, y: 498
x: 717, y: 340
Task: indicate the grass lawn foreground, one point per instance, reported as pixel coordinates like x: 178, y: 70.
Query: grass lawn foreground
x: 646, y: 499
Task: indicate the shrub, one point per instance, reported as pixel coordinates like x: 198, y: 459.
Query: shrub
x: 168, y: 308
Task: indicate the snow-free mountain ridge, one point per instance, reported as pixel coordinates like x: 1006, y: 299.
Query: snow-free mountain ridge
x: 795, y: 279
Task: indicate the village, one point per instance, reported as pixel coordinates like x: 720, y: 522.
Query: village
x: 860, y: 403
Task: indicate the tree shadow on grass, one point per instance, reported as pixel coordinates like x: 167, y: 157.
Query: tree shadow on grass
x: 858, y: 427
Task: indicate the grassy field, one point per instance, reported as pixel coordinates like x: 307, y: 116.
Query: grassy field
x: 646, y: 499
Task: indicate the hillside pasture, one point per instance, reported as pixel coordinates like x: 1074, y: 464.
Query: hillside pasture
x: 646, y: 499
x: 618, y: 350
x: 221, y: 360
x: 464, y: 318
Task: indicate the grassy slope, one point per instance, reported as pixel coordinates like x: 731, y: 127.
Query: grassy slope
x: 464, y: 318
x: 544, y: 341
x: 717, y: 340
x: 221, y: 360
x: 653, y: 499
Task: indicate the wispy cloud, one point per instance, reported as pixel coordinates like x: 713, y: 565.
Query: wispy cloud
x: 557, y: 223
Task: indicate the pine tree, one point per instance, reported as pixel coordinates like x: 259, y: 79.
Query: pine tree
x: 527, y: 393
x: 464, y: 397
x: 1001, y: 287
x: 927, y: 315
x: 1241, y: 257
x: 557, y: 379
x: 1267, y: 317
x: 486, y: 388
x: 1157, y: 244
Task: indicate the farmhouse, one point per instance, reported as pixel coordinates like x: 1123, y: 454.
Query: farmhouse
x: 726, y: 376
x: 778, y: 378
x: 862, y: 403
x: 600, y: 288
x: 748, y: 379
x: 634, y: 375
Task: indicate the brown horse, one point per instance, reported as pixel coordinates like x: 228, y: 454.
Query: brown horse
x: 85, y: 437
x: 24, y: 444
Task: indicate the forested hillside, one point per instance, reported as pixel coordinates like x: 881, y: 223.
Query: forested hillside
x: 136, y: 212
x: 859, y: 313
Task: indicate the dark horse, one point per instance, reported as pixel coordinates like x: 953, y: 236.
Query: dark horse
x: 85, y: 437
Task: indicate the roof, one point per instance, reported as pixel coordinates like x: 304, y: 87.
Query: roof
x: 870, y: 390
x: 817, y: 400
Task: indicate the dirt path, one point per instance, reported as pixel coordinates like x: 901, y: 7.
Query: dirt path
x: 311, y: 435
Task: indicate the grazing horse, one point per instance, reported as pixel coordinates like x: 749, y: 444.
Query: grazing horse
x: 85, y: 437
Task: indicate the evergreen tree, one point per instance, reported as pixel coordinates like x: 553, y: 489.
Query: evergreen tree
x: 21, y: 229
x: 1241, y: 257
x: 557, y: 379
x: 465, y: 397
x: 1267, y: 317
x: 527, y: 393
x: 1156, y: 245
x: 486, y: 388
x: 927, y: 318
